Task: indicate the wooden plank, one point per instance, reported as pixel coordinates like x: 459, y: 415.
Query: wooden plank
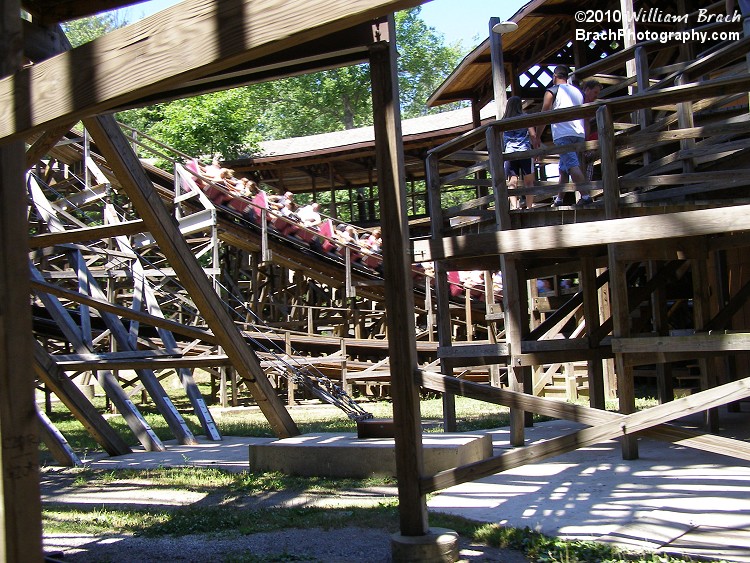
x: 93, y: 361
x: 126, y: 166
x: 107, y: 381
x: 607, y: 427
x: 86, y: 234
x: 142, y: 58
x: 106, y: 356
x: 56, y: 443
x: 578, y: 235
x: 618, y: 282
x: 20, y: 512
x: 168, y: 340
x: 702, y: 342
x: 125, y: 312
x: 460, y: 350
x: 399, y: 294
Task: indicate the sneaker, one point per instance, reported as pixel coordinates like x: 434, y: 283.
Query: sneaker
x: 522, y: 202
x: 585, y: 200
x: 557, y: 202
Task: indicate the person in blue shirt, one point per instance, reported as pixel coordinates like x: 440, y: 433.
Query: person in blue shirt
x: 517, y: 140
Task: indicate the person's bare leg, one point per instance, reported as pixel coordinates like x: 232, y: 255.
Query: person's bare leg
x: 528, y: 182
x: 512, y: 185
x: 562, y: 180
x: 578, y: 178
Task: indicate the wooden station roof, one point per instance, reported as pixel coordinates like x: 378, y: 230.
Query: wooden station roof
x: 348, y: 157
x: 546, y: 29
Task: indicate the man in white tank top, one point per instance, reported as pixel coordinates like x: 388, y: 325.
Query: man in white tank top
x: 564, y: 95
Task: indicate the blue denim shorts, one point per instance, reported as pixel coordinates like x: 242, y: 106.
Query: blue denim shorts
x: 568, y: 160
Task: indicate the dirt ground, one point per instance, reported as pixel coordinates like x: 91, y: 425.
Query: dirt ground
x: 338, y: 545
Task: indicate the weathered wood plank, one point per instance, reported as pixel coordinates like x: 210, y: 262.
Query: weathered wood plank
x: 611, y: 231
x: 86, y: 234
x: 171, y: 47
x: 114, y: 146
x: 56, y: 443
x: 700, y: 343
x: 608, y: 425
x: 20, y: 511
x: 124, y: 312
x: 399, y: 295
x: 82, y: 362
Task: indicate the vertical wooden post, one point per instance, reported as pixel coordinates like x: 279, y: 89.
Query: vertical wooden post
x: 514, y: 291
x: 399, y: 296
x: 442, y: 289
x: 591, y: 314
x: 628, y: 27
x: 605, y: 311
x: 618, y: 286
x: 664, y: 383
x: 289, y: 381
x: 499, y: 85
x: 701, y: 315
x: 20, y: 516
x: 685, y: 121
x: 642, y: 74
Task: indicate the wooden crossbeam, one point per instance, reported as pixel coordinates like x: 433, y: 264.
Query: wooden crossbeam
x: 86, y: 234
x: 578, y: 235
x: 699, y: 343
x: 606, y: 425
x: 126, y: 166
x: 124, y: 312
x: 82, y: 362
x: 142, y: 59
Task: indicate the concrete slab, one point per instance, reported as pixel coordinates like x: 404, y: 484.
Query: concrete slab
x: 229, y: 454
x: 666, y: 500
x: 345, y: 455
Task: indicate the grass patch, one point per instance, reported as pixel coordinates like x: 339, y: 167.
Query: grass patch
x: 217, y: 521
x: 218, y: 481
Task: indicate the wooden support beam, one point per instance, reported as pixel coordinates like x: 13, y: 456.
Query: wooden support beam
x: 45, y: 142
x: 73, y: 236
x: 20, y: 511
x: 191, y: 332
x: 79, y: 362
x: 618, y: 284
x: 141, y: 59
x: 578, y: 235
x: 700, y: 343
x: 108, y: 382
x: 125, y: 164
x: 606, y: 425
x: 399, y: 295
x: 56, y: 443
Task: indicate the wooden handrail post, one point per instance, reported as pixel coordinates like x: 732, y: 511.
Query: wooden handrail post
x: 618, y: 286
x: 645, y: 115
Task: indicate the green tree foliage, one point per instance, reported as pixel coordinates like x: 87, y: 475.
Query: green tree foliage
x: 424, y: 61
x: 333, y: 100
x: 234, y: 121
x: 220, y: 122
x: 340, y: 99
x: 87, y: 29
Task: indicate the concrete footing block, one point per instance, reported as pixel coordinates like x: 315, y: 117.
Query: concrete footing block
x: 439, y: 545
